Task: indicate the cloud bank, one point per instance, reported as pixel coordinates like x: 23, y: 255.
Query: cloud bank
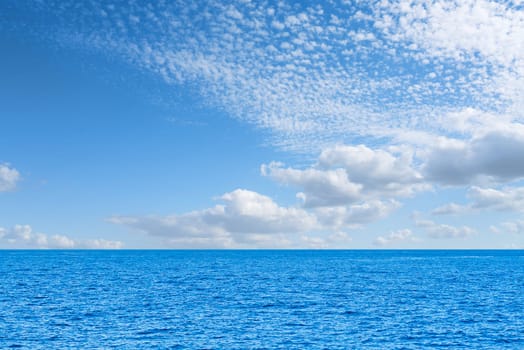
x: 346, y: 188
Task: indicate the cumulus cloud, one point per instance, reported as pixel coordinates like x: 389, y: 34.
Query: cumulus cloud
x: 248, y: 219
x: 395, y: 237
x: 8, y: 177
x: 321, y: 187
x: 349, y: 174
x: 245, y: 219
x: 381, y: 172
x: 494, y: 156
x: 23, y: 236
x: 347, y: 187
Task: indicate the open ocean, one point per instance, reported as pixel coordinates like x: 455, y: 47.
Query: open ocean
x: 262, y: 299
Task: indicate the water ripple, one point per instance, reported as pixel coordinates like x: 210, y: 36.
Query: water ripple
x: 262, y: 299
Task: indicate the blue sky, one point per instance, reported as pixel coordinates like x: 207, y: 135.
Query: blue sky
x: 262, y: 124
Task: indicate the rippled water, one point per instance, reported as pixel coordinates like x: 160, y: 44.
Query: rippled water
x: 262, y: 299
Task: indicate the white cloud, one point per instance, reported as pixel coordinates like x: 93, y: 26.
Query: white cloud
x: 387, y: 173
x: 347, y: 188
x: 395, y: 237
x: 246, y: 219
x: 255, y: 213
x: 356, y: 215
x: 513, y: 227
x: 504, y: 199
x: 23, y: 236
x: 509, y: 198
x: 450, y: 209
x: 490, y: 29
x: 350, y: 174
x: 321, y: 187
x: 494, y: 156
x: 60, y: 241
x: 489, y: 44
x: 444, y: 231
x: 8, y: 177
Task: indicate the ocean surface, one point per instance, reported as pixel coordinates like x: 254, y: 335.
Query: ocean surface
x: 262, y: 299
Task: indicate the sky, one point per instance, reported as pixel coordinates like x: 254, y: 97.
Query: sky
x: 262, y: 124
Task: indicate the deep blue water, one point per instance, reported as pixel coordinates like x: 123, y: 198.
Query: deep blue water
x: 262, y: 299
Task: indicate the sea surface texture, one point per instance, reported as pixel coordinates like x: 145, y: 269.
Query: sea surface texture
x: 262, y: 299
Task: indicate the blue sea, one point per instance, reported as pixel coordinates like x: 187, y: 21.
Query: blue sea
x: 262, y: 299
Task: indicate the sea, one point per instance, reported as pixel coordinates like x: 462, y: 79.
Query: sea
x: 262, y: 299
